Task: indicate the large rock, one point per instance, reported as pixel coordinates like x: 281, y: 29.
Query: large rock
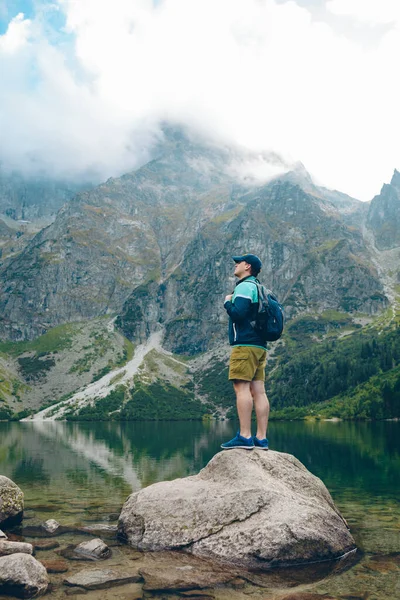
x: 255, y: 509
x: 11, y: 499
x: 22, y: 576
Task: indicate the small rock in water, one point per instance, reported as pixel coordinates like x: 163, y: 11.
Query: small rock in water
x: 3, y: 535
x: 55, y: 566
x: 95, y: 549
x: 46, y: 545
x: 173, y: 578
x: 113, y: 517
x: 99, y: 528
x: 23, y: 576
x: 94, y: 579
x: 7, y: 548
x: 14, y: 537
x: 51, y: 525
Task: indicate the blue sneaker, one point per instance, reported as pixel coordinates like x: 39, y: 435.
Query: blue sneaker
x: 239, y: 442
x: 262, y: 444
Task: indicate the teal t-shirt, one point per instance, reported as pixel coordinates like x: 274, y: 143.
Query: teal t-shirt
x: 245, y: 289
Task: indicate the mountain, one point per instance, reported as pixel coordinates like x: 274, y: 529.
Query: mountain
x: 384, y: 215
x: 150, y: 253
x: 33, y: 198
x: 157, y: 242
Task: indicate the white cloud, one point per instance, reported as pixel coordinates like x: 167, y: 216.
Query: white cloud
x: 254, y: 72
x: 16, y: 35
x: 373, y: 12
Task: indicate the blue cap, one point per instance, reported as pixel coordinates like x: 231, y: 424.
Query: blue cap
x: 251, y: 259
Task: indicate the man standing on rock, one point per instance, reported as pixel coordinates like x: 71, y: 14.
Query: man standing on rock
x: 249, y: 356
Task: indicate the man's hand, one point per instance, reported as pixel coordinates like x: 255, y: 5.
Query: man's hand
x: 228, y: 297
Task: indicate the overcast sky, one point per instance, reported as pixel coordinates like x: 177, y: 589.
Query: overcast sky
x: 85, y: 83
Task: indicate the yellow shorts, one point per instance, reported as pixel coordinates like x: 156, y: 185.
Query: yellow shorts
x: 247, y: 363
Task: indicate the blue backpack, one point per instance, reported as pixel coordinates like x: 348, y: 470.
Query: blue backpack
x: 270, y: 318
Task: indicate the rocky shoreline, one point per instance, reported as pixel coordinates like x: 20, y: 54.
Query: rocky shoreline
x: 47, y: 557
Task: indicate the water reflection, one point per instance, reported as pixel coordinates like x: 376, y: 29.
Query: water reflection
x: 355, y: 455
x: 59, y: 462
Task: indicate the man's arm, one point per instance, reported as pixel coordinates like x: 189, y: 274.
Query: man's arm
x: 239, y: 310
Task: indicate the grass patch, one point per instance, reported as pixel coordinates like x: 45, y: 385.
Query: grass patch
x: 56, y: 339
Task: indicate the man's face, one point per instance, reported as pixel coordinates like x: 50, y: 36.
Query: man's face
x: 242, y: 269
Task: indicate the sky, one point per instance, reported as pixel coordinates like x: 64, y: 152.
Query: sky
x: 86, y: 84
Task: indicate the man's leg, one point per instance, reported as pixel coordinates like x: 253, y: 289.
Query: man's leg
x: 261, y: 405
x: 244, y: 403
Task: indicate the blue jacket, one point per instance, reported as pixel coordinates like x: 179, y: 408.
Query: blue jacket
x: 242, y: 310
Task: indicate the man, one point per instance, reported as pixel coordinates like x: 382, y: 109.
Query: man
x: 249, y: 356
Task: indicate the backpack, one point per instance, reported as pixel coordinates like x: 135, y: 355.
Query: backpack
x: 270, y: 318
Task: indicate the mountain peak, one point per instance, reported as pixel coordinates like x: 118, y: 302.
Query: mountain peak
x: 396, y: 179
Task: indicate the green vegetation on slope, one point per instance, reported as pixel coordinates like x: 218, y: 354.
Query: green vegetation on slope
x: 353, y: 377
x: 143, y: 403
x: 166, y: 402
x: 56, y: 339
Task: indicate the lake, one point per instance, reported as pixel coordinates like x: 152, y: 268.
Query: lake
x: 81, y: 473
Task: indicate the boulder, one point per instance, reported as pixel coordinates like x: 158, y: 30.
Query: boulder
x: 22, y: 576
x: 7, y: 547
x: 11, y: 499
x: 3, y: 535
x: 254, y: 509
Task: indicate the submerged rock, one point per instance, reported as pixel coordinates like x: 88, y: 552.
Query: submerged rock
x: 93, y: 579
x: 11, y: 500
x: 99, y: 528
x: 51, y: 526
x: 184, y: 577
x: 255, y: 509
x: 46, y: 545
x: 55, y: 566
x: 23, y: 576
x: 95, y: 549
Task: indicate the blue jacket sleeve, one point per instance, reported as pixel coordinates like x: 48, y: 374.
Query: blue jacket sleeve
x: 240, y: 310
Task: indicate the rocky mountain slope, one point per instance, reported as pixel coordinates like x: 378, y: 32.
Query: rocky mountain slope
x: 384, y: 215
x: 152, y: 250
x: 33, y: 198
x: 156, y: 244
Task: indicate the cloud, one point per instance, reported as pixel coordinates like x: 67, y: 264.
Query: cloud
x: 16, y: 35
x: 368, y: 11
x: 87, y: 95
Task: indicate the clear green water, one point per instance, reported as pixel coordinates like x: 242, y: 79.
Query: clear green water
x: 81, y: 473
